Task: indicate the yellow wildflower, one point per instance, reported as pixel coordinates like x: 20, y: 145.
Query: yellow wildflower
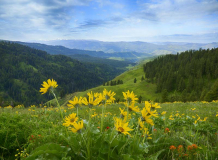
x: 70, y: 120
x: 129, y: 97
x: 149, y: 112
x: 92, y: 101
x: 163, y: 113
x: 94, y: 115
x: 108, y: 96
x: 75, y: 103
x: 48, y: 86
x: 132, y: 107
x: 145, y: 117
x: 146, y: 133
x: 77, y: 127
x: 122, y: 126
x: 141, y: 123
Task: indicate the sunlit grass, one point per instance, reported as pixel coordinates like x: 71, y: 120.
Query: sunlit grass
x: 18, y: 125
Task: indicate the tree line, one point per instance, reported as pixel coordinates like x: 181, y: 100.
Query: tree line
x: 188, y: 76
x: 23, y: 70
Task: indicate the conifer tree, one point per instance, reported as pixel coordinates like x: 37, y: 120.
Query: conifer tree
x: 164, y: 97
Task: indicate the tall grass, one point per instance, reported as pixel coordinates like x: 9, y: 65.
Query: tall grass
x: 36, y: 132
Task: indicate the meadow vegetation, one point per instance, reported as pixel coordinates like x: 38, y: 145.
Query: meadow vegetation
x: 94, y: 127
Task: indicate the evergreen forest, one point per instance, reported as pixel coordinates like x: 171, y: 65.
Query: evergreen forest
x: 23, y: 69
x: 188, y: 76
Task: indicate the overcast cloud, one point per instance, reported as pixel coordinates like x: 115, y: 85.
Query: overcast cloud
x: 110, y: 20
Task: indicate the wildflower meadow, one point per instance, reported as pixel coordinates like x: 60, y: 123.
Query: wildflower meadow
x: 95, y: 127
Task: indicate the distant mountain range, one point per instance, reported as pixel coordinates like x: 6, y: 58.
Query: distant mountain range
x: 132, y: 47
x: 81, y: 54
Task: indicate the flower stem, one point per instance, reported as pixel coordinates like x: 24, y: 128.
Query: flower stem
x: 102, y: 116
x: 89, y: 135
x: 59, y: 109
x: 77, y: 111
x: 127, y: 111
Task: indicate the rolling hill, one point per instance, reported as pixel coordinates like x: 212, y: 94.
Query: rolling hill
x: 23, y: 70
x: 140, y: 88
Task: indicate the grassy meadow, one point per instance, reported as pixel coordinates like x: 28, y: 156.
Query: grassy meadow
x: 92, y: 125
x: 180, y: 131
x: 140, y: 88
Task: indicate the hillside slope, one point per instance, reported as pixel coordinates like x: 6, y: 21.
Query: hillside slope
x: 24, y: 69
x: 140, y: 88
x: 188, y: 76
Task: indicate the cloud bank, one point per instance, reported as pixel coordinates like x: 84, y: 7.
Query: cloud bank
x: 109, y: 20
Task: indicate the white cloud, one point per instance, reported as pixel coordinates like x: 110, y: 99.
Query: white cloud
x: 179, y: 10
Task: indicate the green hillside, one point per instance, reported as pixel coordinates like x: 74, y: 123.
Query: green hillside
x: 189, y: 76
x: 140, y: 88
x: 24, y: 69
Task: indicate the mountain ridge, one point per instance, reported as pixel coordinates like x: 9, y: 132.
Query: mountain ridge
x: 134, y: 46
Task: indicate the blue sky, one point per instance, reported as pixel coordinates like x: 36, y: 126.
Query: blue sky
x: 110, y: 20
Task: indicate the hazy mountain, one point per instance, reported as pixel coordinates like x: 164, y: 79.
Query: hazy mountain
x: 130, y: 56
x: 137, y: 46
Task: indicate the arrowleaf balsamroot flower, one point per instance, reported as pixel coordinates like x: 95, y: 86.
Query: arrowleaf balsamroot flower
x: 141, y: 124
x: 70, y: 120
x: 146, y: 133
x: 108, y: 96
x: 75, y: 103
x: 129, y: 97
x: 149, y: 112
x: 122, y: 126
x: 145, y: 117
x: 49, y: 85
x: 123, y: 113
x: 77, y: 127
x: 132, y: 107
x: 152, y: 106
x: 92, y: 100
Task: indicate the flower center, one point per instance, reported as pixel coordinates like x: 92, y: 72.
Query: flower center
x: 120, y: 129
x: 142, y: 119
x: 72, y: 120
x: 130, y: 109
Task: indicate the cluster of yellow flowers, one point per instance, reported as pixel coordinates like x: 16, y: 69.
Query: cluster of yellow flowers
x: 9, y: 107
x: 199, y: 119
x: 22, y: 154
x: 93, y: 99
x: 19, y: 106
x: 121, y: 124
x: 107, y: 97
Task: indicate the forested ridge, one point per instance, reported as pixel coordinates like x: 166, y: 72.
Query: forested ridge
x: 188, y: 76
x: 23, y: 70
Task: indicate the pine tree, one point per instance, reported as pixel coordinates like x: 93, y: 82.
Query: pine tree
x: 213, y: 93
x: 164, y: 97
x: 184, y: 96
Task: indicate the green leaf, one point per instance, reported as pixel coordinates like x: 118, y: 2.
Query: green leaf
x: 114, y: 143
x: 155, y: 156
x: 187, y: 141
x: 66, y: 158
x: 49, y: 151
x: 127, y: 157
